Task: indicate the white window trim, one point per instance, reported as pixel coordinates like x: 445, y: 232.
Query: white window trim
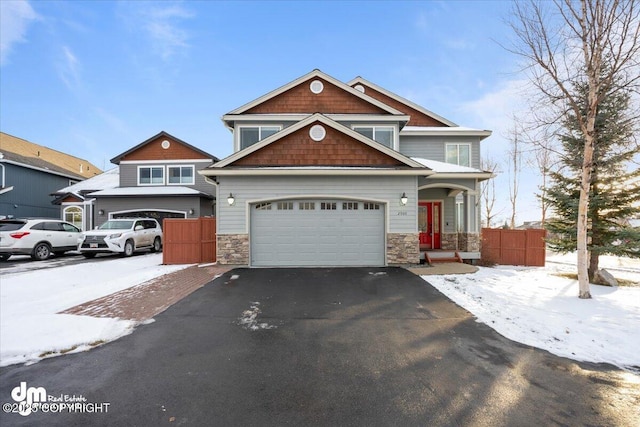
x: 67, y: 208
x: 394, y: 143
x: 151, y: 184
x: 458, y: 145
x: 238, y: 129
x: 193, y: 175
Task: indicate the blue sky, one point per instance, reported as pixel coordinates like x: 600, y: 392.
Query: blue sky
x: 94, y: 78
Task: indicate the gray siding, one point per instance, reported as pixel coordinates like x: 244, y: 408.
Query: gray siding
x: 433, y: 147
x: 400, y: 219
x: 129, y: 175
x: 31, y: 192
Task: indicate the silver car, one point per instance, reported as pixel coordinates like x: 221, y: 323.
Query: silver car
x: 124, y: 236
x: 38, y: 237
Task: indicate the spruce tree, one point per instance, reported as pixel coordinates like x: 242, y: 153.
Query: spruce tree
x: 614, y: 190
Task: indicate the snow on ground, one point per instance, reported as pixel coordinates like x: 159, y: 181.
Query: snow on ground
x: 537, y: 307
x: 29, y: 301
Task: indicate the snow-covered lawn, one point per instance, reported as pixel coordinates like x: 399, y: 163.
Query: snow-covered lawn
x: 538, y: 306
x: 29, y: 301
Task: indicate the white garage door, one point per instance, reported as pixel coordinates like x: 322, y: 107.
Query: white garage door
x: 317, y: 233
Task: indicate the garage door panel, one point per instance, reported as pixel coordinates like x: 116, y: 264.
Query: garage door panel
x: 306, y: 237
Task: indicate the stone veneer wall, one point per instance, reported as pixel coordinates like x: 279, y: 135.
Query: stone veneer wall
x: 449, y: 241
x: 403, y: 248
x: 469, y: 242
x: 233, y: 249
x: 464, y: 242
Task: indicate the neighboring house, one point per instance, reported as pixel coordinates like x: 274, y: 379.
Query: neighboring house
x: 29, y: 173
x: 157, y: 178
x: 328, y: 173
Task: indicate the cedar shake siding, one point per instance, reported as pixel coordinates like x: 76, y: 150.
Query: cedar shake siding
x: 300, y: 99
x: 298, y: 149
x: 417, y: 118
x: 154, y: 151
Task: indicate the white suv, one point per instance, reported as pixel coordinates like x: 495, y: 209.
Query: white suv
x: 38, y: 237
x: 122, y: 235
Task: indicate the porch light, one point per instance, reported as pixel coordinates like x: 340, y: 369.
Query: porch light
x: 100, y: 212
x: 404, y: 199
x: 231, y: 200
x: 191, y: 211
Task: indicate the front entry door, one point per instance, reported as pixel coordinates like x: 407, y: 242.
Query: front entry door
x: 429, y: 214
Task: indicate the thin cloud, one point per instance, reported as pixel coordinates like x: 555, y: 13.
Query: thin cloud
x: 69, y: 68
x: 163, y: 27
x: 15, y: 17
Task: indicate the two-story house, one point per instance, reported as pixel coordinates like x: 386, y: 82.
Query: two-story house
x: 157, y: 178
x: 326, y: 173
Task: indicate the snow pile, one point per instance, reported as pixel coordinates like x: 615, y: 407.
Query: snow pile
x: 30, y: 327
x: 249, y: 319
x: 540, y: 308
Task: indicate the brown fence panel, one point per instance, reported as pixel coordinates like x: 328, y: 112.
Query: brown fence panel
x: 207, y: 240
x: 514, y: 247
x: 536, y: 247
x: 189, y: 241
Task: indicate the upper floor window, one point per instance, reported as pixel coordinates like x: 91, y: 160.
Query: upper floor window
x: 180, y: 174
x: 458, y: 154
x: 150, y: 175
x: 381, y: 134
x: 249, y: 135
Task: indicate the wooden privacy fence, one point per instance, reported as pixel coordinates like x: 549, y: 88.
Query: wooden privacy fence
x: 514, y: 247
x: 188, y: 241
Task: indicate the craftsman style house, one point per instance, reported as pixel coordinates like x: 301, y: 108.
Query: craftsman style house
x: 327, y: 174
x: 157, y: 178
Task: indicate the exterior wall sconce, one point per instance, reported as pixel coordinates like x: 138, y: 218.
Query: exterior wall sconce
x: 404, y: 199
x: 100, y: 212
x: 191, y: 211
x: 231, y: 200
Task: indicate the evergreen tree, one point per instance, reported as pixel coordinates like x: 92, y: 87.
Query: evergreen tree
x: 614, y: 191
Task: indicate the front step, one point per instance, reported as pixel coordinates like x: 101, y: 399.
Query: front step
x: 442, y: 256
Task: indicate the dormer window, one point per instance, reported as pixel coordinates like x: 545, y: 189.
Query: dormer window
x: 382, y: 134
x: 249, y: 135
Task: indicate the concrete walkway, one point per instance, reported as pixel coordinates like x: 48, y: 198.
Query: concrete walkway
x: 443, y: 268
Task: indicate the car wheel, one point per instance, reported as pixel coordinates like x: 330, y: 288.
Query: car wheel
x: 88, y: 254
x: 5, y: 257
x: 41, y: 252
x: 157, y: 245
x: 128, y: 248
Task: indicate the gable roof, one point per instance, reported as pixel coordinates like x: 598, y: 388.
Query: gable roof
x: 38, y: 164
x: 309, y: 76
x: 39, y: 156
x: 117, y: 159
x: 401, y: 100
x: 404, y: 162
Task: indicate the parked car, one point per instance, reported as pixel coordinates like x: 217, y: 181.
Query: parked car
x: 124, y: 236
x: 38, y: 237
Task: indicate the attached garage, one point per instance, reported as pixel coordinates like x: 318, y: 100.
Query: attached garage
x: 317, y: 233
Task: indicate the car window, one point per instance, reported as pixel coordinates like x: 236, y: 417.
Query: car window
x: 53, y: 226
x: 139, y: 223
x: 70, y: 228
x: 38, y: 226
x: 149, y: 224
x: 11, y: 225
x: 116, y: 225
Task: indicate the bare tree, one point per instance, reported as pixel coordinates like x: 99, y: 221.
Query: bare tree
x: 488, y: 190
x: 543, y: 159
x: 514, y: 161
x: 567, y: 41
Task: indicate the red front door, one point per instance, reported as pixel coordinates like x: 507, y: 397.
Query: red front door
x: 429, y: 224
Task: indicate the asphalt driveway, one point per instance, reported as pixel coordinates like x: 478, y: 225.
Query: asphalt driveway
x: 356, y: 346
